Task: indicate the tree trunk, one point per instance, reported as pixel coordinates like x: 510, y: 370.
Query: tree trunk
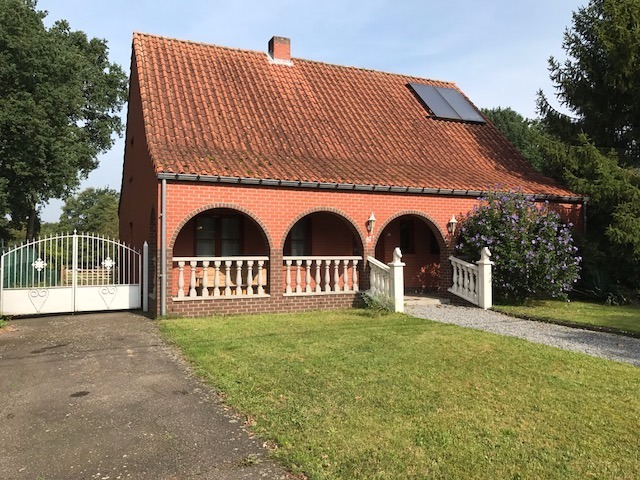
x: 33, y: 224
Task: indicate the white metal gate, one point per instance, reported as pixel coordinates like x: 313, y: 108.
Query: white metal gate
x: 69, y: 273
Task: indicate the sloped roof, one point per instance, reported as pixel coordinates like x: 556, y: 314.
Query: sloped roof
x: 217, y: 111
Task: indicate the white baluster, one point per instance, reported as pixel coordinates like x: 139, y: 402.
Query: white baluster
x: 239, y: 264
x: 455, y: 276
x: 205, y: 278
x: 472, y: 284
x: 249, y: 277
x: 180, y: 279
x: 372, y: 278
x: 298, y: 278
x: 227, y: 277
x: 464, y: 280
x: 192, y: 282
x: 260, y: 286
x: 327, y: 277
x: 318, y: 265
x: 354, y: 276
x: 336, y: 276
x: 345, y: 280
x: 216, y: 278
x: 288, y: 278
x: 307, y: 277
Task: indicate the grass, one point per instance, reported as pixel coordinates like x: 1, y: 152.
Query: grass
x: 617, y: 318
x: 3, y: 323
x: 347, y: 396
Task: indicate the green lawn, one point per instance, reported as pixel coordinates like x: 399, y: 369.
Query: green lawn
x: 347, y: 396
x: 624, y: 318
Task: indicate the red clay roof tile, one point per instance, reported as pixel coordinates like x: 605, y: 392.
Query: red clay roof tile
x: 211, y: 110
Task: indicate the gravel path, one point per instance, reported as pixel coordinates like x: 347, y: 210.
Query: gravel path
x: 597, y: 344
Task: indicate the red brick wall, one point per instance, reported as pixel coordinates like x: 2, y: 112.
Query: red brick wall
x: 570, y: 213
x: 276, y: 210
x: 139, y: 190
x: 332, y: 235
x: 139, y: 194
x: 273, y: 304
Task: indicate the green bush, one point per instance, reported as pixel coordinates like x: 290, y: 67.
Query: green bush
x: 533, y: 250
x: 377, y: 304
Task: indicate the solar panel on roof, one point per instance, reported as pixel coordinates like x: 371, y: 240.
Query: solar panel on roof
x: 447, y: 103
x: 435, y: 101
x: 461, y: 105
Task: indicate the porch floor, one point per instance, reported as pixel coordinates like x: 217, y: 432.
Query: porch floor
x: 425, y: 299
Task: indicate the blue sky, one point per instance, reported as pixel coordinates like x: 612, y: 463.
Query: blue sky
x: 496, y: 51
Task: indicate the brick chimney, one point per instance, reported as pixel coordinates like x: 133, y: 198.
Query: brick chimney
x: 280, y: 50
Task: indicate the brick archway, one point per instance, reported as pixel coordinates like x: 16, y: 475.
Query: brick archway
x: 340, y: 214
x: 227, y: 206
x: 426, y: 268
x: 439, y: 234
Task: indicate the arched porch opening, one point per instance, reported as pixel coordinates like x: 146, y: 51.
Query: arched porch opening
x: 220, y: 252
x: 322, y: 253
x: 421, y: 244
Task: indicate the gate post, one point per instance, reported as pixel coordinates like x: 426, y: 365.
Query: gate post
x: 74, y: 267
x: 485, y: 293
x: 1, y: 279
x: 396, y: 281
x: 145, y: 277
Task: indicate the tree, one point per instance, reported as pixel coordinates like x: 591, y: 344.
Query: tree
x: 613, y: 224
x: 599, y: 82
x: 596, y: 152
x: 524, y: 134
x: 94, y: 210
x: 59, y: 104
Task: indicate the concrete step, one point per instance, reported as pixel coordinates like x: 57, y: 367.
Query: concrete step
x: 415, y: 299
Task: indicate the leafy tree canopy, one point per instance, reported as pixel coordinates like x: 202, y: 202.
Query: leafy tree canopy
x: 597, y: 151
x: 59, y: 104
x: 524, y: 134
x: 599, y: 82
x: 94, y: 210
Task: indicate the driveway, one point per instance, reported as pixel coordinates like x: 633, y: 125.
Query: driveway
x: 102, y: 397
x: 597, y: 344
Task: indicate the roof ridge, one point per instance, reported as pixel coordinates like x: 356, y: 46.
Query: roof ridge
x: 295, y: 59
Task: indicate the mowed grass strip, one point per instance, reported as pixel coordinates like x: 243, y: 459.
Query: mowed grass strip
x: 347, y: 396
x: 622, y: 318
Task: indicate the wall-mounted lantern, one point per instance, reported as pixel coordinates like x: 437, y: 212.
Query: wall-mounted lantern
x: 371, y: 222
x: 452, y: 225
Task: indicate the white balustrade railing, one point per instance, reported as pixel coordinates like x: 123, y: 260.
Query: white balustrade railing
x: 314, y: 275
x: 388, y: 280
x: 221, y: 277
x: 379, y: 277
x: 473, y: 282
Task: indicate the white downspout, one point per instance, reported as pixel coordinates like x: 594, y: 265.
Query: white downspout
x: 163, y: 249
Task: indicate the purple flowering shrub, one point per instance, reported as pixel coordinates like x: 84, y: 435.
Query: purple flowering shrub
x: 532, y: 249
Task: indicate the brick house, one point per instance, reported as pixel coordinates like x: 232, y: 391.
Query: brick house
x: 254, y: 176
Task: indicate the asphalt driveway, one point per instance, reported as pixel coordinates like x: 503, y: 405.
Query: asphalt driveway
x: 101, y: 396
